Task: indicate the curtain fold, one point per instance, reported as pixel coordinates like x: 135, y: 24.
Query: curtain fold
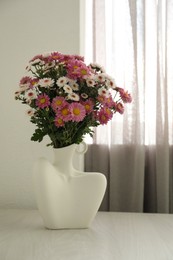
x: 133, y: 40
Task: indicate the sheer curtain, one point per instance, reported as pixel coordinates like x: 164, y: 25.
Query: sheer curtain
x: 133, y: 39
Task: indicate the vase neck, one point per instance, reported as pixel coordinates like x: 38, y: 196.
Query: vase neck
x: 63, y: 159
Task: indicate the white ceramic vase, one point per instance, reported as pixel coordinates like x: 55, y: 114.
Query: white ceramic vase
x: 67, y: 198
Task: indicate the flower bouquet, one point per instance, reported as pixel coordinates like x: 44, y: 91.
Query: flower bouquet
x: 67, y: 98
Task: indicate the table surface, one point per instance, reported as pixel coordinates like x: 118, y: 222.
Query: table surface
x: 112, y: 236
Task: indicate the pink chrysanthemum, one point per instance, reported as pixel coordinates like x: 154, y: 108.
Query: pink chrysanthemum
x: 109, y: 102
x: 64, y: 113
x: 57, y: 56
x: 88, y: 104
x: 43, y: 101
x: 104, y: 115
x: 125, y: 96
x: 46, y: 82
x: 58, y: 102
x: 77, y: 69
x: 78, y: 112
x: 33, y: 82
x: 119, y: 108
x: 58, y: 121
x: 25, y: 80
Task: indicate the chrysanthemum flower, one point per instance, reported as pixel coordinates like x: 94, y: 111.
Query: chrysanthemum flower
x: 100, y: 77
x: 49, y: 65
x: 67, y: 89
x: 103, y: 118
x: 43, y: 101
x: 78, y: 112
x: 30, y: 94
x: 73, y: 96
x: 57, y: 56
x: 106, y: 101
x: 109, y: 101
x: 104, y: 115
x: 64, y: 113
x: 88, y: 104
x: 84, y: 95
x: 97, y: 66
x: 74, y: 85
x: 83, y: 71
x: 37, y: 57
x: 58, y: 102
x: 34, y: 82
x: 125, y: 96
x: 36, y: 61
x: 46, y: 82
x: 25, y: 83
x: 119, y: 108
x: 77, y: 69
x: 101, y: 99
x: 103, y: 92
x: 58, y: 121
x: 62, y: 81
x: 24, y: 88
x: 30, y: 112
x: 90, y: 82
x: 25, y: 80
x: 110, y: 83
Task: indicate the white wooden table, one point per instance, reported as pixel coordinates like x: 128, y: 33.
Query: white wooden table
x: 112, y: 236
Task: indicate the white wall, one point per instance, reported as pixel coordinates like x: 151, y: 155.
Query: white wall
x: 27, y: 28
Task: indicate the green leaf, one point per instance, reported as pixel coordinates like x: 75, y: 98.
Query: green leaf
x: 38, y: 135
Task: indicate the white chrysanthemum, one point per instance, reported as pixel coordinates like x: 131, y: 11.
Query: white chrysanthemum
x: 49, y: 65
x: 74, y: 85
x: 73, y: 96
x: 103, y: 92
x: 30, y: 94
x: 46, y: 82
x: 35, y: 61
x: 62, y: 81
x: 90, y: 82
x: 96, y: 65
x: 30, y: 112
x: 110, y: 83
x: 24, y: 87
x: 100, y: 77
x: 67, y: 89
x: 84, y: 95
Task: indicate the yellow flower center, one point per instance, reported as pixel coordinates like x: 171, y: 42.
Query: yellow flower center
x: 108, y: 111
x: 65, y: 112
x: 33, y: 83
x: 58, y: 102
x: 103, y: 117
x: 76, y: 111
x: 83, y: 72
x: 42, y: 100
x: 59, y: 120
x: 75, y: 67
x: 87, y: 107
